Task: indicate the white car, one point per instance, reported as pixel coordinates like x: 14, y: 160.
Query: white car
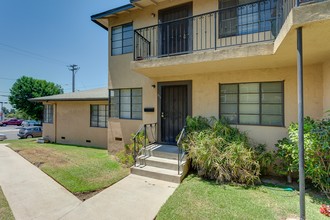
x: 27, y: 123
x: 3, y: 137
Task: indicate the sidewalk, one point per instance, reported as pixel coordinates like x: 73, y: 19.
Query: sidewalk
x: 134, y: 197
x: 32, y: 194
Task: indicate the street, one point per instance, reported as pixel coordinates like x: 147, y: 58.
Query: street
x: 10, y: 131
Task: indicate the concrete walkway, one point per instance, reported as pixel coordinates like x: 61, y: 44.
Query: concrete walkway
x: 32, y: 194
x: 134, y: 197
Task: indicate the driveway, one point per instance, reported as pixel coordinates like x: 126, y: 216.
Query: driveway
x: 32, y: 194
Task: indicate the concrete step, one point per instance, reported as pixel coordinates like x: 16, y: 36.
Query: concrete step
x: 163, y: 163
x: 163, y: 151
x: 157, y: 173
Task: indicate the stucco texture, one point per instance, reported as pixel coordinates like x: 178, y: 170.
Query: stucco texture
x: 71, y: 125
x: 260, y: 62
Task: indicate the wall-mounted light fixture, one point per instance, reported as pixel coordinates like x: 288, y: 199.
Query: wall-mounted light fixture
x: 153, y: 86
x: 153, y: 15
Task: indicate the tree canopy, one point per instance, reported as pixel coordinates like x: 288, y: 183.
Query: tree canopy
x: 26, y: 88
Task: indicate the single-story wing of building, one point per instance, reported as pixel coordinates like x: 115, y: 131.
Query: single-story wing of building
x: 79, y: 118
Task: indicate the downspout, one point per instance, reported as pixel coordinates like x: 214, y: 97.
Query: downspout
x: 301, y: 120
x: 55, y: 120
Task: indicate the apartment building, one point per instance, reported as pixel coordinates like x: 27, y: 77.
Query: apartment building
x: 230, y: 58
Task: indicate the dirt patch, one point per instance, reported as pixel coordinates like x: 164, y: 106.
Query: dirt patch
x: 292, y: 218
x: 40, y: 156
x: 87, y: 195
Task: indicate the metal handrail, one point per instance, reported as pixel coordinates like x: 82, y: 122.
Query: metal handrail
x: 141, y: 36
x: 210, y: 30
x: 143, y: 128
x: 181, y: 152
x: 134, y: 144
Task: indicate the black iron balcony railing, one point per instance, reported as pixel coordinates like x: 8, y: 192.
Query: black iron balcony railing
x: 243, y: 24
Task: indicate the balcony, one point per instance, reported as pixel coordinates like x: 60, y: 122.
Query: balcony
x: 249, y: 23
x: 259, y: 35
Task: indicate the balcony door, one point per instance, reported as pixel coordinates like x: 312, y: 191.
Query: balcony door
x: 175, y: 32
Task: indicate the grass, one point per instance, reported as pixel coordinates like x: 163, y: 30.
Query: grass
x: 78, y: 169
x: 200, y: 199
x: 5, y: 212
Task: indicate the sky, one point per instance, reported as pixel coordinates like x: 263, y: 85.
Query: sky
x: 40, y: 38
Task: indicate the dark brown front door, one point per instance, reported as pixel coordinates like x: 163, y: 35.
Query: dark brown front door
x: 173, y: 111
x: 175, y: 37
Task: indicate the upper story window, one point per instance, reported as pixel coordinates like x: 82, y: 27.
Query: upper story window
x: 126, y: 103
x: 99, y: 116
x: 240, y: 17
x: 253, y: 103
x: 122, y: 39
x: 48, y: 114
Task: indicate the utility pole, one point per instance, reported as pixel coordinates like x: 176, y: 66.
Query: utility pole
x: 1, y: 112
x: 73, y: 68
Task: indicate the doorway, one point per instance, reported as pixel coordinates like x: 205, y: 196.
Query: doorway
x: 175, y: 36
x: 174, y: 104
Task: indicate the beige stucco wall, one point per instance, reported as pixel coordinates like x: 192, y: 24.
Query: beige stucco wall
x: 326, y: 87
x: 72, y: 125
x: 206, y: 96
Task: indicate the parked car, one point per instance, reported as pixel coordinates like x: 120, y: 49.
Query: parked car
x: 3, y: 137
x: 27, y: 123
x: 12, y: 121
x: 30, y: 132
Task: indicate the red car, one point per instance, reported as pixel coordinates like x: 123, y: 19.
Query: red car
x: 12, y: 121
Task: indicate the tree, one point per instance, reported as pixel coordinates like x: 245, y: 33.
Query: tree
x: 5, y: 110
x: 26, y: 88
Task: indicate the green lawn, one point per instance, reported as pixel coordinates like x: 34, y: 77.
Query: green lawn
x: 200, y: 199
x: 5, y: 212
x: 79, y: 169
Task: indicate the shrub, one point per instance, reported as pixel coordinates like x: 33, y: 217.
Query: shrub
x: 220, y: 152
x: 317, y: 152
x: 265, y: 158
x: 125, y: 156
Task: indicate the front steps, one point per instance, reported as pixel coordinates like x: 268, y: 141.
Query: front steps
x: 161, y: 162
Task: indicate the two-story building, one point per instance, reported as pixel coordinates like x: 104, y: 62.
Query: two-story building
x: 225, y: 58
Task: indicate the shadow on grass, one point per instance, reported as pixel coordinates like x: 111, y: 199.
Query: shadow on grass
x: 52, y: 143
x: 316, y: 196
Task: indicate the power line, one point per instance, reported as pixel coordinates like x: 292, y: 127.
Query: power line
x: 36, y: 55
x: 7, y: 79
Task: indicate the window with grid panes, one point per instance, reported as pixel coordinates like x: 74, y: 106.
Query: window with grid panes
x: 48, y: 114
x: 122, y: 39
x: 99, y: 116
x: 240, y: 17
x: 126, y: 103
x: 253, y: 103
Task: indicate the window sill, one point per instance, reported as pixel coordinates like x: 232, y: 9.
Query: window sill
x: 273, y: 126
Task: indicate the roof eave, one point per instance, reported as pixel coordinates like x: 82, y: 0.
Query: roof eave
x: 107, y: 13
x: 69, y: 99
x: 100, y: 24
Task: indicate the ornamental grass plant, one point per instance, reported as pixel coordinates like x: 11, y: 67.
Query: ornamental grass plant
x: 221, y: 152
